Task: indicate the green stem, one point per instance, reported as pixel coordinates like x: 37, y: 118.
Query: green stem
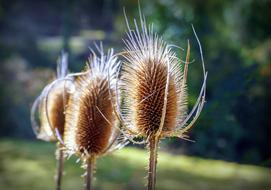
x: 60, y: 164
x: 90, y: 169
x: 153, y: 145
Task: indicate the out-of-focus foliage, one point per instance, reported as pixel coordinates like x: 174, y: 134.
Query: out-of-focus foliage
x: 236, y: 42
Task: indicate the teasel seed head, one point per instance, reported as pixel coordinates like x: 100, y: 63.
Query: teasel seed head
x: 90, y: 120
x: 52, y: 110
x: 149, y: 82
x: 153, y: 82
x: 50, y: 105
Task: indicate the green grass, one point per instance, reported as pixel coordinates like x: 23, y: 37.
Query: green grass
x: 28, y: 165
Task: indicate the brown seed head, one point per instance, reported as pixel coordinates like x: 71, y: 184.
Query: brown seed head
x: 93, y: 132
x: 90, y: 119
x: 53, y: 109
x: 148, y: 95
x: 49, y: 107
x: 155, y: 98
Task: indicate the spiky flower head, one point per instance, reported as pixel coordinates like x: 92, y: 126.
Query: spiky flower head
x: 90, y: 127
x: 154, y: 86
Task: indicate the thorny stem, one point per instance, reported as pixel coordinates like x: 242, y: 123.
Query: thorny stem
x: 90, y: 162
x: 153, y: 146
x: 60, y: 163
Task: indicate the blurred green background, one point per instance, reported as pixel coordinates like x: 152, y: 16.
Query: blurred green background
x: 234, y: 125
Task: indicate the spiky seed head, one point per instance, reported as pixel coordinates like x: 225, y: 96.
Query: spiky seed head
x: 150, y: 68
x: 149, y: 82
x: 52, y: 111
x: 90, y: 120
x: 50, y: 105
x: 92, y: 131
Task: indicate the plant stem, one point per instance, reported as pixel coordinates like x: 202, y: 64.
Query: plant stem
x: 60, y: 163
x: 153, y: 145
x: 89, y: 175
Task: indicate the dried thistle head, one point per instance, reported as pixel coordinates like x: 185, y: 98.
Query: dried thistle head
x: 52, y: 111
x: 146, y: 98
x: 50, y: 105
x: 90, y: 120
x: 154, y: 86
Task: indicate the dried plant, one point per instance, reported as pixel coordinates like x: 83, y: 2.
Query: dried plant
x: 90, y: 128
x: 154, y: 91
x: 49, y: 107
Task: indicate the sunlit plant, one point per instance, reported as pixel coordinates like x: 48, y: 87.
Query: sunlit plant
x: 91, y: 125
x: 153, y: 88
x: 48, y: 112
x: 143, y: 97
